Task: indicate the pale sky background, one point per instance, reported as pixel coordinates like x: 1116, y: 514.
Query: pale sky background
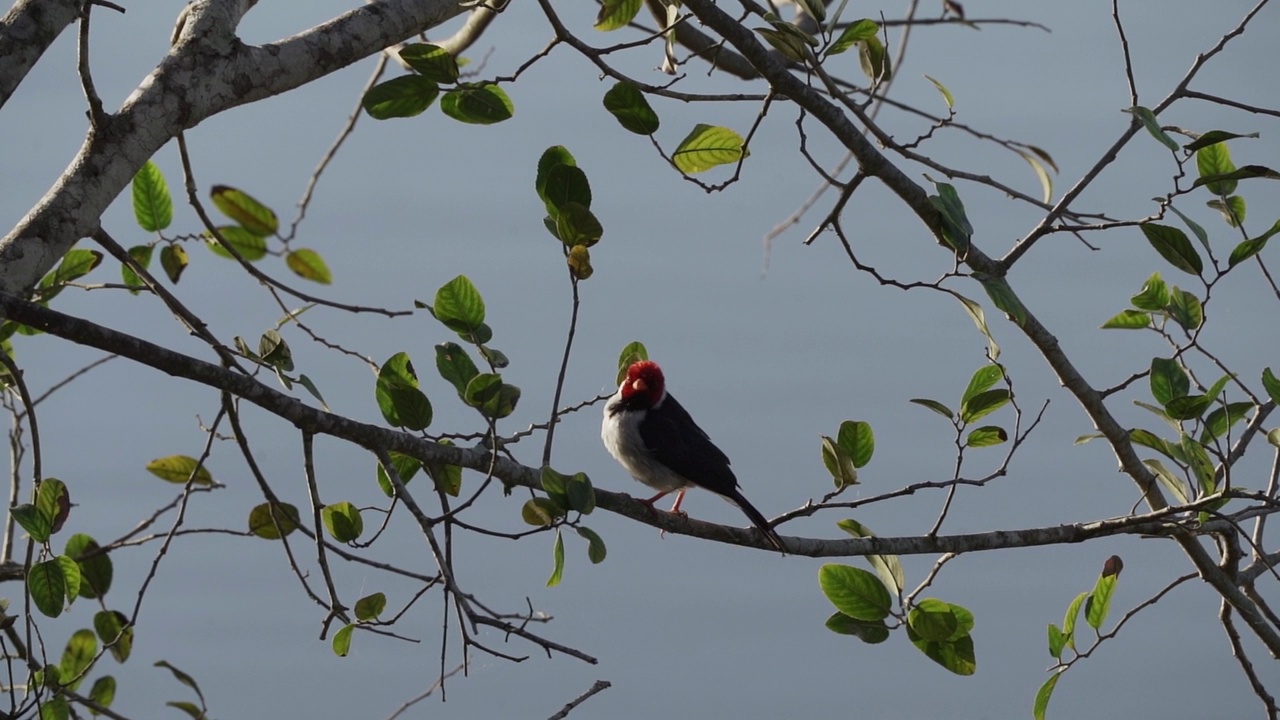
x: 766, y: 361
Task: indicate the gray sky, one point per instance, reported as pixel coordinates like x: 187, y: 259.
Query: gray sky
x: 766, y: 360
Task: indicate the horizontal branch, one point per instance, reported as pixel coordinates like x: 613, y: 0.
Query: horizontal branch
x: 376, y: 438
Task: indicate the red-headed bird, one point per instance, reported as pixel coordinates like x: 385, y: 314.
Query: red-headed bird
x: 654, y: 438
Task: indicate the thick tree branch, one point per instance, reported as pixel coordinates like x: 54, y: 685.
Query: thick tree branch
x: 26, y: 32
x: 208, y: 71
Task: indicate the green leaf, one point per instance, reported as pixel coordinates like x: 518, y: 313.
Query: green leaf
x: 493, y: 398
x: 628, y: 105
x: 70, y: 577
x: 1128, y: 320
x: 103, y: 691
x: 405, y: 96
x: 1200, y: 233
x: 979, y: 319
x: 1252, y: 246
x: 983, y: 404
x: 77, y: 263
x: 1004, y: 298
x: 856, y: 32
x: 308, y: 265
x: 272, y: 521
x: 1231, y: 208
x: 1190, y: 407
x: 540, y: 512
x: 1154, y: 295
x: 1222, y: 418
x: 250, y: 246
x: 816, y: 9
x: 447, y: 478
x: 56, y: 708
x: 956, y: 228
x: 791, y: 46
x: 1099, y: 602
x: 342, y: 640
x: 983, y: 379
x: 152, y: 205
x: 838, y: 463
x: 1043, y: 695
x: 1169, y: 481
x: 956, y: 655
x: 1200, y: 464
x: 946, y: 94
x: 459, y: 306
x: 1069, y: 620
x: 431, y: 61
x: 1057, y: 640
x: 551, y: 158
x: 1149, y: 439
x: 856, y: 438
x: 581, y: 495
x: 615, y: 14
x: 1226, y: 182
x: 343, y: 521
x: 37, y: 524
x: 887, y: 567
x: 173, y: 260
x: 141, y: 254
x: 370, y: 607
x: 244, y: 210
x: 1214, y: 137
x: 874, y: 59
x: 96, y: 569
x: 114, y: 630
x: 935, y: 406
x: 872, y: 632
x: 478, y: 104
x: 399, y: 399
x: 555, y: 485
x: 183, y: 678
x: 708, y: 146
x: 855, y: 592
x: 1173, y: 246
x: 53, y: 500
x: 455, y: 365
x: 632, y: 353
x: 575, y: 225
x: 557, y: 554
x: 48, y: 588
x: 76, y: 658
x: 932, y: 620
x: 1185, y: 309
x: 1168, y: 380
x: 1152, y: 125
x: 1271, y: 384
x: 274, y: 351
x: 1212, y: 162
x: 180, y: 469
x: 595, y: 545
x: 986, y: 436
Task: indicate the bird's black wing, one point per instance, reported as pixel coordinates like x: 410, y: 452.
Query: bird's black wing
x: 676, y: 441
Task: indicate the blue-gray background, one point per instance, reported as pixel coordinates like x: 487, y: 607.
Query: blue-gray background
x: 768, y: 349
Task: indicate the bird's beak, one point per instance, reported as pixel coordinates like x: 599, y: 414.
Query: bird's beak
x: 638, y: 385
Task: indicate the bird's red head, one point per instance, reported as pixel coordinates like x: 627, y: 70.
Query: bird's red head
x: 644, y: 384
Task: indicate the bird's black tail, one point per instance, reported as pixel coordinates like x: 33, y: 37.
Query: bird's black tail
x: 758, y: 520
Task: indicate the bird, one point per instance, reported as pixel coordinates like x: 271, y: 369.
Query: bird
x: 656, y: 440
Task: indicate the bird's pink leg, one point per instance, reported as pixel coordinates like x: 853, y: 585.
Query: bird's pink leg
x: 657, y: 497
x: 679, y: 499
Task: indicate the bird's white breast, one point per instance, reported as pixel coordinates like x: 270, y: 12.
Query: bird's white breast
x: 621, y: 434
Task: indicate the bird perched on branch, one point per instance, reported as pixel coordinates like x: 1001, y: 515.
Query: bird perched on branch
x: 655, y: 439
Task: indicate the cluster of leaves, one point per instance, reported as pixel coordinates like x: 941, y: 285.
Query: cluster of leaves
x: 83, y: 570
x: 245, y: 240
x: 864, y: 601
x: 566, y: 193
x: 980, y: 399
x: 77, y: 263
x: 1096, y: 604
x: 478, y: 103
